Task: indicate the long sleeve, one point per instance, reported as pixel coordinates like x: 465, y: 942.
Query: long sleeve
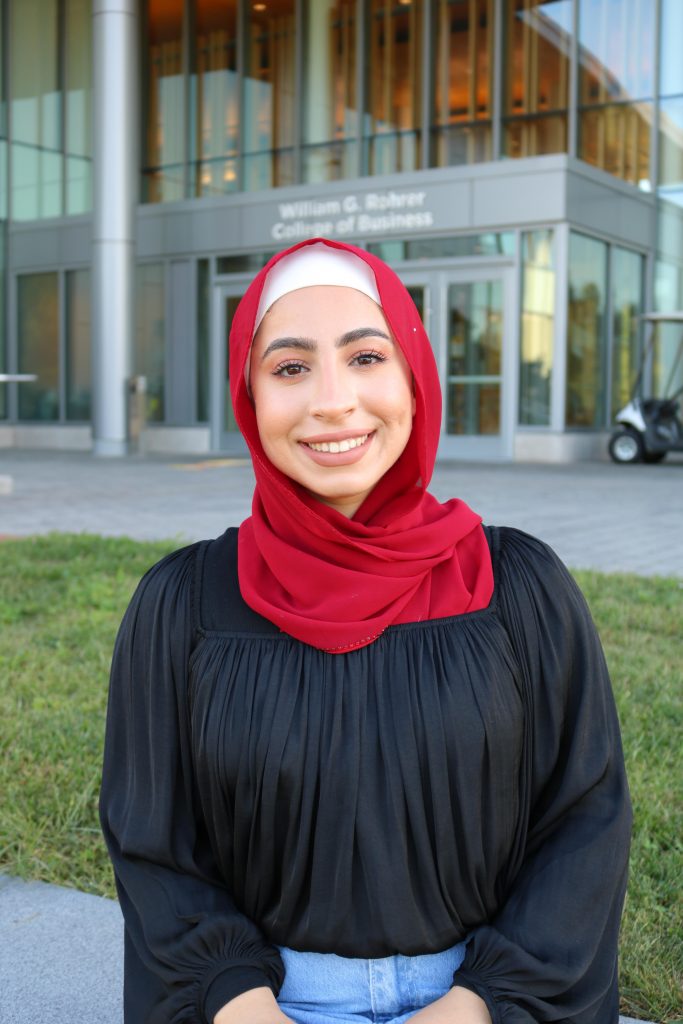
x: 188, y: 949
x: 550, y: 953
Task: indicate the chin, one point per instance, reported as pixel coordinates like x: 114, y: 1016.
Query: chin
x: 350, y: 496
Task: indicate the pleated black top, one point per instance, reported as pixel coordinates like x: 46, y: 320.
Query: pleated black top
x: 461, y: 777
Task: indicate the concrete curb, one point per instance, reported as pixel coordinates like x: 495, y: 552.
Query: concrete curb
x: 60, y: 955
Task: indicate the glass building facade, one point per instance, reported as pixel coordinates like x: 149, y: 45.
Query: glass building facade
x: 49, y: 58
x: 246, y: 96
x: 520, y: 163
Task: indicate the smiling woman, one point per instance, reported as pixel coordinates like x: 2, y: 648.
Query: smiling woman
x: 332, y: 345
x: 362, y: 758
x: 334, y: 410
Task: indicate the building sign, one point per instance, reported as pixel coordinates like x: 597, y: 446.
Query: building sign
x: 357, y: 213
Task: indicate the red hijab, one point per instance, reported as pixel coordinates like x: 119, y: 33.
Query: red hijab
x: 337, y: 583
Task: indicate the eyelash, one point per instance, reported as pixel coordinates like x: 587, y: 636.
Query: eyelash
x: 377, y: 357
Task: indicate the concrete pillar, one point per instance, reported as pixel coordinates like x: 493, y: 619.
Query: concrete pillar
x: 115, y: 172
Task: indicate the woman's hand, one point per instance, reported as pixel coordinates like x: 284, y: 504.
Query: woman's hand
x: 458, y: 1006
x: 257, y: 1006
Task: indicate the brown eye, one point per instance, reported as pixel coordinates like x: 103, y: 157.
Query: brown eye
x: 368, y: 358
x: 292, y: 369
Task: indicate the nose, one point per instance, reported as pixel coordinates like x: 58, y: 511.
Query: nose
x: 335, y: 394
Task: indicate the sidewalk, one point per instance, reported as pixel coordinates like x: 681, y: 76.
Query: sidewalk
x: 61, y: 950
x: 596, y: 515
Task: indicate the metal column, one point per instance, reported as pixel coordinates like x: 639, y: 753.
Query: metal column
x: 115, y: 97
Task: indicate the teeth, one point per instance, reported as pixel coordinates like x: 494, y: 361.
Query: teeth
x: 338, y: 446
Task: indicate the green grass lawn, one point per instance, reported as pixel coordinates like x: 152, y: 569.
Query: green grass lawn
x: 61, y: 600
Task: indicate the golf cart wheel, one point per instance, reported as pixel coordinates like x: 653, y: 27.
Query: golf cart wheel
x: 626, y: 446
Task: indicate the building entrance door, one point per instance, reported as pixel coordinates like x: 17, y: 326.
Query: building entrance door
x: 225, y: 436
x: 467, y: 314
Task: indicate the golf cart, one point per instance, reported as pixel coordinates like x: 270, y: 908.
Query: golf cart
x: 648, y: 428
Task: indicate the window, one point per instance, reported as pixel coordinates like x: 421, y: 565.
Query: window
x: 671, y: 104
x: 164, y: 133
x: 36, y: 110
x: 626, y: 273
x: 215, y: 98
x: 78, y: 345
x: 669, y: 284
x: 475, y: 345
x: 50, y: 89
x: 667, y: 366
x: 269, y: 108
x: 57, y: 394
x: 462, y: 87
x: 150, y: 335
x: 587, y: 321
x: 3, y: 171
x: 453, y: 247
x: 38, y: 338
x: 616, y: 86
x: 78, y: 105
x: 393, y: 86
x: 330, y: 113
x: 537, y: 329
x: 670, y: 65
x: 537, y: 53
x: 203, y: 322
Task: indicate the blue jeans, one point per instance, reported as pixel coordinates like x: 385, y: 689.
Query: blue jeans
x: 322, y: 988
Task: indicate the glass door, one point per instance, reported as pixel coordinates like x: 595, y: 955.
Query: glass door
x: 475, y: 371
x: 475, y: 345
x: 225, y: 436
x: 466, y: 314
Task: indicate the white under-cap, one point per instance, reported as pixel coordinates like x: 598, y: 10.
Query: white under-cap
x: 315, y: 265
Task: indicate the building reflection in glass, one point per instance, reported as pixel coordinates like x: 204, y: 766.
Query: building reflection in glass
x: 586, y: 342
x: 538, y: 36
x: 214, y: 103
x: 463, y: 82
x: 475, y: 336
x: 330, y: 111
x: 616, y: 86
x: 164, y: 175
x: 268, y: 116
x: 626, y: 278
x: 393, y: 86
x: 537, y: 328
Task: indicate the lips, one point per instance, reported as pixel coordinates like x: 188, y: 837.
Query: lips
x: 338, y: 450
x: 344, y: 445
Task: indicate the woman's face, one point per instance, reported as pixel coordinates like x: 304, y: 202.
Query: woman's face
x: 332, y: 392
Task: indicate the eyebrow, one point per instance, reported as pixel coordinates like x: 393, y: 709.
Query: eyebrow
x: 309, y: 345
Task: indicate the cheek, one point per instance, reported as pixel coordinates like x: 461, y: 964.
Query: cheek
x: 276, y: 411
x: 268, y: 422
x: 400, y: 401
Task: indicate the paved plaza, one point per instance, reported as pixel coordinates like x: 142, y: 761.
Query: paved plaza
x: 596, y: 515
x: 60, y: 950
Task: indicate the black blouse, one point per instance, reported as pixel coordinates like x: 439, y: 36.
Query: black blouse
x: 461, y: 777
